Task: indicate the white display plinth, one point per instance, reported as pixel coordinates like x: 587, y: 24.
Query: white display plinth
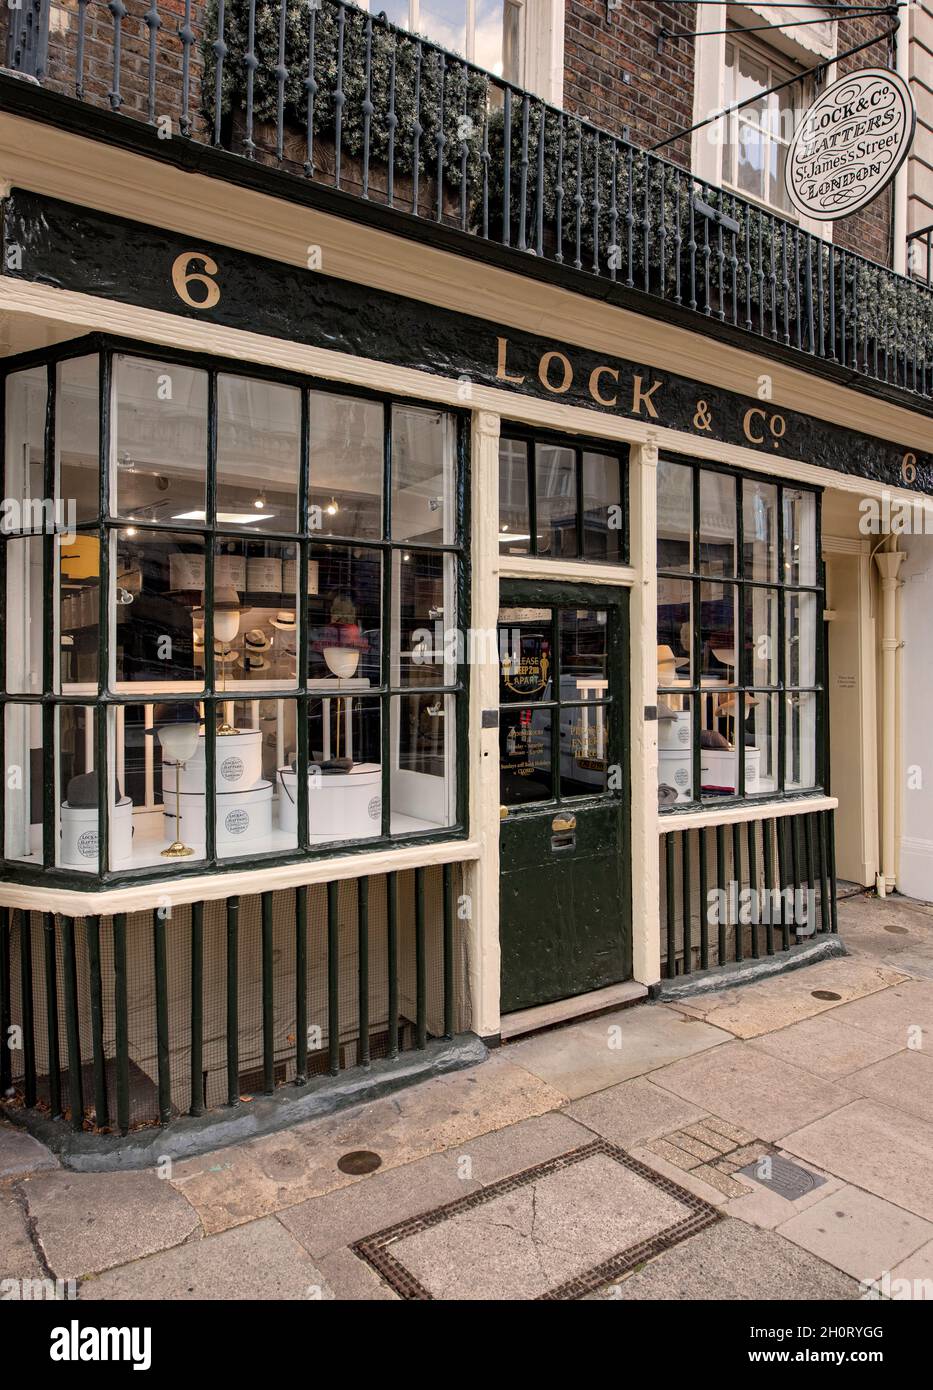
x: 675, y: 769
x: 341, y: 805
x: 79, y: 832
x: 717, y: 769
x: 244, y: 818
x: 675, y: 733
x: 237, y: 764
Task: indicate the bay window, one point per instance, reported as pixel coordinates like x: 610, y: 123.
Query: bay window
x: 232, y: 645
x: 739, y: 636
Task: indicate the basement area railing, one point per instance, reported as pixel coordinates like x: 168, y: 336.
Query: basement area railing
x: 340, y: 97
x: 743, y: 891
x: 115, y: 1023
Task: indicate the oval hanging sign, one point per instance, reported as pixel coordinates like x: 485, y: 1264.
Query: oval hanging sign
x: 850, y: 144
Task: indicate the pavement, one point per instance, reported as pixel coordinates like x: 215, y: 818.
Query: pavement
x: 773, y: 1141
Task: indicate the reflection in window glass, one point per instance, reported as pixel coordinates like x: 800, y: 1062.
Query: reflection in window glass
x: 444, y: 22
x: 423, y: 602
x: 800, y: 635
x: 346, y: 466
x: 77, y: 435
x: 761, y: 635
x: 344, y: 616
x: 159, y: 441
x: 759, y: 529
x: 423, y: 476
x: 25, y: 625
x: 258, y: 429
x: 675, y: 631
x: 761, y: 744
x: 255, y: 617
x: 800, y: 744
x: 717, y: 524
x: 602, y: 508
x: 556, y: 497
x: 26, y: 405
x: 526, y: 773
x: 514, y: 513
x: 799, y: 537
x: 675, y: 516
x: 584, y: 651
x: 76, y: 789
x: 23, y: 793
x: 717, y: 634
x: 422, y: 784
x: 584, y: 750
x: 158, y: 597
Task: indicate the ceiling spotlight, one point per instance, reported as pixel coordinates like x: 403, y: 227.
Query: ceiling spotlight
x: 260, y: 502
x: 332, y: 509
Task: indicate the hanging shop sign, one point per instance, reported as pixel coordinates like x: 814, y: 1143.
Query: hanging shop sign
x: 850, y: 143
x: 58, y: 244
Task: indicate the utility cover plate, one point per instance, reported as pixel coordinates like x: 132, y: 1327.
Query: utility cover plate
x: 787, y: 1179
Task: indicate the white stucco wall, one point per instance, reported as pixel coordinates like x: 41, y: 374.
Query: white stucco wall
x: 915, y: 876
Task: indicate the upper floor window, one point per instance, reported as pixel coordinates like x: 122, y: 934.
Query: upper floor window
x: 756, y: 138
x: 489, y: 33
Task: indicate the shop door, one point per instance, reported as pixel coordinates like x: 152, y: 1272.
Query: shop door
x: 565, y: 915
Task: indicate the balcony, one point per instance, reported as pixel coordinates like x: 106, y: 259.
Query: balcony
x: 327, y: 104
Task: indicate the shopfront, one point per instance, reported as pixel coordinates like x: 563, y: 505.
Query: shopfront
x: 378, y: 674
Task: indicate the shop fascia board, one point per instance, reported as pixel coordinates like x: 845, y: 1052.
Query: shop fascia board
x: 91, y: 174
x: 89, y: 314
x: 213, y: 887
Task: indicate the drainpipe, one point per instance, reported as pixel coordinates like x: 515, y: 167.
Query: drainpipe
x: 889, y: 563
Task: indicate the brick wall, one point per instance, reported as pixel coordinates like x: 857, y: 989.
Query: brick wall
x: 870, y: 231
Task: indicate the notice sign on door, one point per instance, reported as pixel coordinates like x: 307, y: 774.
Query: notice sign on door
x: 850, y: 143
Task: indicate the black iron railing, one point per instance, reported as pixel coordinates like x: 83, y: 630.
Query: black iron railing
x: 737, y: 892
x: 336, y: 95
x: 114, y: 1023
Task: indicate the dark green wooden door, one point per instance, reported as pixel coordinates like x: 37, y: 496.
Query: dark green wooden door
x: 565, y: 917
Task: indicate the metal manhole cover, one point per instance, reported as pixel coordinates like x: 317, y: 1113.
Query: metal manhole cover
x: 895, y: 930
x: 783, y: 1177
x: 359, y: 1161
x: 825, y: 994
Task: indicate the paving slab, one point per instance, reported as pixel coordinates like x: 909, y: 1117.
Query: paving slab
x: 351, y: 1278
x: 270, y: 1174
x: 87, y: 1222
x: 634, y: 1112
x: 857, y: 1232
x: 894, y: 1013
x: 896, y: 931
x: 904, y: 1080
x: 750, y: 1088
x: 731, y: 1261
x: 21, y: 1154
x: 602, y: 1052
x: 763, y: 1207
x: 534, y: 1238
x: 18, y: 1259
x: 917, y: 1272
x: 258, y: 1261
x: 827, y: 1046
x: 875, y: 1147
x: 777, y: 1002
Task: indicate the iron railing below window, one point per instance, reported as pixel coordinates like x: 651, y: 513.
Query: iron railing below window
x: 115, y: 1023
x: 339, y: 96
x: 744, y: 891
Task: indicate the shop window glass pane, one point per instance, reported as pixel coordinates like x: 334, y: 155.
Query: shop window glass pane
x: 800, y: 741
x: 258, y: 433
x: 157, y: 608
x: 424, y: 629
x: 76, y: 789
x: 422, y: 793
x: 344, y: 618
x: 525, y: 655
x: 77, y: 437
x: 159, y: 441
x: 718, y: 759
x: 79, y: 610
x: 675, y: 516
x: 602, y: 508
x: 556, y: 501
x: 799, y: 537
x: 423, y: 476
x: 255, y: 755
x: 26, y: 405
x: 675, y: 631
x: 762, y: 749
x: 169, y: 741
x: 800, y: 636
x: 759, y: 530
x: 761, y: 636
x: 347, y: 466
x: 345, y: 770
x: 514, y: 513
x: 717, y: 524
x: 584, y: 653
x: 675, y: 749
x: 255, y: 619
x: 525, y: 768
x: 718, y: 613
x: 584, y: 749
x: 24, y: 612
x: 24, y: 782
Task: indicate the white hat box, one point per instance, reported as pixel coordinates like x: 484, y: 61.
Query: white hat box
x: 341, y: 805
x: 79, y: 834
x: 243, y: 818
x: 237, y: 764
x: 717, y: 769
x: 675, y: 733
x: 675, y: 769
